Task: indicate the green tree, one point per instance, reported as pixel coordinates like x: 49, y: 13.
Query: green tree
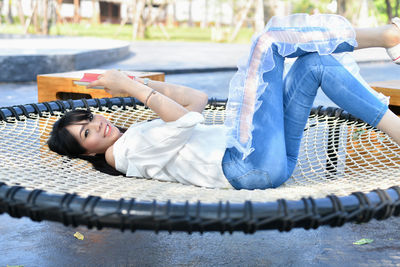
x: 309, y: 6
x: 9, y: 16
x: 387, y: 9
x: 1, y: 9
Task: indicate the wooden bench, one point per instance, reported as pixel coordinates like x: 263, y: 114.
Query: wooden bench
x: 61, y: 86
x: 389, y: 88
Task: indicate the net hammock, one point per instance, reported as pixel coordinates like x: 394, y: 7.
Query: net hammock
x: 342, y: 165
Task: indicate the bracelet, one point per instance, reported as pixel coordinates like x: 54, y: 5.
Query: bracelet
x: 153, y: 92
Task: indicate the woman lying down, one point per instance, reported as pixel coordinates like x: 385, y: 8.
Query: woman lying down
x: 258, y: 146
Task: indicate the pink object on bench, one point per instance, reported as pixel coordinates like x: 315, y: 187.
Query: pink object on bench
x: 91, y: 77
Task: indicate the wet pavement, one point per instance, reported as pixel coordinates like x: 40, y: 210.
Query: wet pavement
x: 23, y: 242
x: 27, y: 243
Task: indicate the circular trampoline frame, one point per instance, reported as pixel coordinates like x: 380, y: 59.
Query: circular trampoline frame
x: 223, y: 216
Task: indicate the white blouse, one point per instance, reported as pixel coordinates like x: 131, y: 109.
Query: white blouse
x: 184, y: 151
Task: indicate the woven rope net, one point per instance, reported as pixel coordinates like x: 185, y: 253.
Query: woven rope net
x: 338, y: 156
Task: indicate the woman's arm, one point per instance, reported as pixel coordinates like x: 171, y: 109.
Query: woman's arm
x: 191, y: 99
x: 167, y: 108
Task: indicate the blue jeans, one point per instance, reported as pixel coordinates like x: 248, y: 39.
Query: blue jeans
x: 286, y: 105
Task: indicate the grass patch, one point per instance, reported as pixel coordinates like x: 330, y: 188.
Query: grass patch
x: 11, y: 29
x: 154, y: 33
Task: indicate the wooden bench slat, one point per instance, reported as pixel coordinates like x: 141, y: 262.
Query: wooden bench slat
x: 60, y: 86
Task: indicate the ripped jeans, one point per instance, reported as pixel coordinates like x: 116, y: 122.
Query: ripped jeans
x: 282, y: 116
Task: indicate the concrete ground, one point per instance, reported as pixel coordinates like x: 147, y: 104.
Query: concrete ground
x: 23, y: 242
x: 41, y: 54
x: 27, y: 243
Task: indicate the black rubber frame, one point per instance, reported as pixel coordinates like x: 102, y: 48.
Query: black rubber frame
x: 129, y: 214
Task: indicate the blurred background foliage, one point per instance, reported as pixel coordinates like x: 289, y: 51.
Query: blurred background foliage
x: 175, y: 20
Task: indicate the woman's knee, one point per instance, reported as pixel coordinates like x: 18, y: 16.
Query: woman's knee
x: 315, y: 59
x: 253, y: 179
x: 309, y: 59
x: 278, y: 176
x: 259, y: 179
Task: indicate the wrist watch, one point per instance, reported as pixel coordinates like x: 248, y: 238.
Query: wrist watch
x: 146, y: 81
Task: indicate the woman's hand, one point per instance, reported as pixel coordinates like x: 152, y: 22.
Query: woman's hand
x: 168, y: 101
x: 114, y: 82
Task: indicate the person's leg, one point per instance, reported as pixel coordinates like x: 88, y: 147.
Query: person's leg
x: 390, y: 124
x: 343, y: 91
x: 301, y: 33
x: 301, y: 85
x: 384, y: 36
x: 265, y: 167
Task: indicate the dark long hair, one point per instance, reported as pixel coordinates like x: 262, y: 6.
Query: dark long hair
x: 62, y: 142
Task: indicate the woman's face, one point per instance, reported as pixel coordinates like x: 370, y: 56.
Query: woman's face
x: 95, y: 135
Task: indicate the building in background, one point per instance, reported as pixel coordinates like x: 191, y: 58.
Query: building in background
x: 198, y: 12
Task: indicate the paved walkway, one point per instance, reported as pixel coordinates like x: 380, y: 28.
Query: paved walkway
x: 179, y: 57
x: 169, y: 57
x: 22, y: 58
